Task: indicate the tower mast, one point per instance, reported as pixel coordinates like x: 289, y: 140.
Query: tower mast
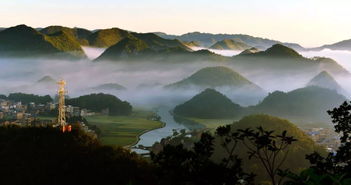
x: 61, y: 119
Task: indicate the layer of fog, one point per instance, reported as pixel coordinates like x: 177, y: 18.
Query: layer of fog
x: 228, y: 53
x: 93, y: 53
x: 144, y: 80
x: 342, y: 57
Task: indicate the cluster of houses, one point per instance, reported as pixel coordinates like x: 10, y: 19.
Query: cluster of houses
x: 18, y: 113
x: 325, y: 136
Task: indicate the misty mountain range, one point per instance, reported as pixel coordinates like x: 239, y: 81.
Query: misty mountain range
x: 307, y: 105
x: 59, y: 41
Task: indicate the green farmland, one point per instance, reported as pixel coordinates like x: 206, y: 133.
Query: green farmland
x: 123, y: 130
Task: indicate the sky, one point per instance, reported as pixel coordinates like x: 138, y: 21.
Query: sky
x: 307, y: 22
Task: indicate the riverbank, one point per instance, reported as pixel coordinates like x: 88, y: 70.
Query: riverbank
x: 124, y: 130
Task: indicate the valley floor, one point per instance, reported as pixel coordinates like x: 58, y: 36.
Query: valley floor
x: 124, y: 130
x: 121, y: 130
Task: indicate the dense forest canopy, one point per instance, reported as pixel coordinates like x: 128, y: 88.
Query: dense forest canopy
x: 27, y: 98
x: 100, y: 102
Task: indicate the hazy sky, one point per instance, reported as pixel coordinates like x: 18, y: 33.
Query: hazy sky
x: 308, y: 22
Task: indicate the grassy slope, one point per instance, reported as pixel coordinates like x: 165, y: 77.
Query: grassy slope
x: 123, y: 130
x: 212, y: 124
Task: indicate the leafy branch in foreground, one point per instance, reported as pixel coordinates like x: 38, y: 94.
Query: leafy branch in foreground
x: 333, y: 169
x: 271, y: 150
x: 178, y: 165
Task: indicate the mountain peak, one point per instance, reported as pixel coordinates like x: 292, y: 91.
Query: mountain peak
x: 20, y: 29
x: 325, y: 80
x: 281, y: 50
x: 230, y: 44
x: 213, y: 77
x: 208, y: 104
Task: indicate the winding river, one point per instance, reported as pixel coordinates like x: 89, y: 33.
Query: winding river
x: 149, y: 138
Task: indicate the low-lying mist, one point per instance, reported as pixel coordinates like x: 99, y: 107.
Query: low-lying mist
x: 143, y: 81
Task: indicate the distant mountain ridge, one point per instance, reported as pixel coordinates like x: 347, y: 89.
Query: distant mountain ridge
x: 230, y: 44
x: 342, y: 45
x: 208, y: 39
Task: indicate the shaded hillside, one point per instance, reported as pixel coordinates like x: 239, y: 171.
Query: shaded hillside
x: 153, y: 48
x: 211, y: 77
x: 295, y: 160
x: 208, y: 104
x: 305, y: 104
x: 230, y: 44
x: 24, y: 41
x: 107, y: 37
x: 158, y: 43
x: 277, y: 50
x: 100, y: 102
x: 325, y: 80
x: 65, y: 42
x: 78, y: 33
x: 128, y: 47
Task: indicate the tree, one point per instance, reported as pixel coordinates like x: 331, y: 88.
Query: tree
x: 336, y: 166
x: 178, y: 166
x: 270, y: 149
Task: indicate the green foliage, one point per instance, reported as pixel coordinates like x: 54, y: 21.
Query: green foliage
x: 65, y: 42
x: 24, y: 41
x: 127, y: 47
x: 27, y: 98
x: 178, y: 165
x: 79, y: 34
x: 158, y: 43
x: 99, y: 102
x: 45, y: 155
x: 270, y: 149
x: 123, y: 130
x: 295, y: 159
x: 311, y: 177
x: 335, y: 167
x: 208, y: 104
x: 77, y: 119
x: 107, y: 37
